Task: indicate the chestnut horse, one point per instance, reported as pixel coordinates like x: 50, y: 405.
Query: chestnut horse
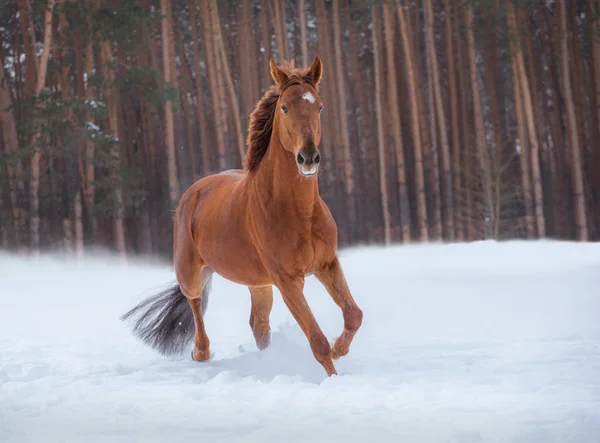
x: 261, y: 226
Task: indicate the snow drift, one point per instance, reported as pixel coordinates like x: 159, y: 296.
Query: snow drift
x: 481, y: 342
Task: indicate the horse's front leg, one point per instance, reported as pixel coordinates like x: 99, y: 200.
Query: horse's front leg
x: 293, y: 296
x: 332, y: 277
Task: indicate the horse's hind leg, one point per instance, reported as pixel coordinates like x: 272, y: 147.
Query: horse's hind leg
x: 196, y: 288
x: 262, y: 302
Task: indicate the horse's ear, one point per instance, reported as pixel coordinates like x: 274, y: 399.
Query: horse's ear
x: 315, y: 72
x: 278, y: 75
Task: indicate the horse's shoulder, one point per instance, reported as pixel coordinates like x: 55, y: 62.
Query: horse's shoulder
x: 324, y: 214
x: 325, y: 227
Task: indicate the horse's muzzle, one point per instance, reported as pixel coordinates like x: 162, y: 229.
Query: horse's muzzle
x: 308, y: 160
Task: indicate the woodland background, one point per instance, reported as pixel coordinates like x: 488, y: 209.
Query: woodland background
x: 449, y: 120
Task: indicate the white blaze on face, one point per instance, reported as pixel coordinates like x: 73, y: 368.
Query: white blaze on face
x: 308, y: 96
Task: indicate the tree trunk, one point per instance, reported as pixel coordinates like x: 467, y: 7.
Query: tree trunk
x: 523, y: 155
x: 8, y: 131
x: 482, y: 150
x: 343, y: 117
x: 455, y: 129
x: 415, y: 125
x: 595, y: 37
x: 466, y: 172
x: 78, y: 211
x: 265, y: 18
x: 577, y: 173
x: 87, y: 155
x: 330, y: 136
x: 447, y: 194
x: 562, y: 195
x: 249, y: 82
x: 200, y: 114
x: 303, y: 39
x: 531, y: 129
x: 229, y: 79
x: 380, y: 140
x: 521, y: 129
x: 432, y: 148
x: 167, y: 47
x: 405, y: 223
x: 280, y: 30
x: 115, y: 151
x: 215, y: 79
x: 185, y: 87
x: 366, y: 133
x: 31, y: 60
x: 67, y: 236
x: 34, y: 182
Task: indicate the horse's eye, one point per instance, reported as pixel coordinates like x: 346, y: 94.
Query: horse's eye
x: 320, y: 109
x: 284, y: 109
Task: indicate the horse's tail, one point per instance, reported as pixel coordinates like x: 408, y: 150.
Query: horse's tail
x: 165, y: 321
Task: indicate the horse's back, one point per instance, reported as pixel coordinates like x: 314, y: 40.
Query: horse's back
x: 219, y: 182
x: 209, y: 196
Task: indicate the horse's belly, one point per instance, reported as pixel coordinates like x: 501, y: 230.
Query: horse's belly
x: 241, y: 269
x: 229, y: 253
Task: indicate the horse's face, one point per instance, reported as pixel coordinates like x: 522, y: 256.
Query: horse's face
x: 298, y: 118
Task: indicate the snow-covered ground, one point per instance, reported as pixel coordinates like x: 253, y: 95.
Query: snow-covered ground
x: 481, y: 342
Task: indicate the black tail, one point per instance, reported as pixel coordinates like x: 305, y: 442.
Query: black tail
x: 165, y: 321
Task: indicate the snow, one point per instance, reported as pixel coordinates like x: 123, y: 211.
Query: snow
x: 93, y: 103
x: 469, y: 343
x: 93, y: 126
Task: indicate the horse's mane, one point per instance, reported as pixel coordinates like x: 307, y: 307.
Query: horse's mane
x: 260, y: 127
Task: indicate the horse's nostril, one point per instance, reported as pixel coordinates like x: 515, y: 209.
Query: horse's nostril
x: 300, y: 158
x: 317, y: 158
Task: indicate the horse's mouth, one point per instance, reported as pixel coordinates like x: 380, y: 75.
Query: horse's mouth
x: 308, y: 171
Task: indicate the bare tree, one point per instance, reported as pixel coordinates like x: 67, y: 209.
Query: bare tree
x: 167, y: 48
x: 447, y: 195
x: 394, y: 110
x: 415, y: 126
x: 381, y: 143
x: 578, y: 188
x: 482, y: 149
x: 530, y: 121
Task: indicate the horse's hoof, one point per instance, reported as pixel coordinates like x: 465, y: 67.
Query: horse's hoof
x: 336, y: 353
x: 201, y: 355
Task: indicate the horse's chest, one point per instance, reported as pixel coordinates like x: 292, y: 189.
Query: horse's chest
x: 305, y: 252
x: 298, y: 243
x: 302, y: 250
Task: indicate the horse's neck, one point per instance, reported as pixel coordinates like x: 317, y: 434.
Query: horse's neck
x: 278, y: 182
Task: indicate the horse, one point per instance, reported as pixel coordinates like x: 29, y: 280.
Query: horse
x: 261, y: 226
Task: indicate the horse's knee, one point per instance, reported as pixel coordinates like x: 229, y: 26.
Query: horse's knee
x: 320, y: 347
x: 353, y: 319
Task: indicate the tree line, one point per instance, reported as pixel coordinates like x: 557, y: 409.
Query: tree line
x: 444, y: 120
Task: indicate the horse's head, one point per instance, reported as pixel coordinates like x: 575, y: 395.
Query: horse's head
x: 297, y: 116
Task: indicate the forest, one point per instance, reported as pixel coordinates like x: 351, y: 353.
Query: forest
x: 443, y: 120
